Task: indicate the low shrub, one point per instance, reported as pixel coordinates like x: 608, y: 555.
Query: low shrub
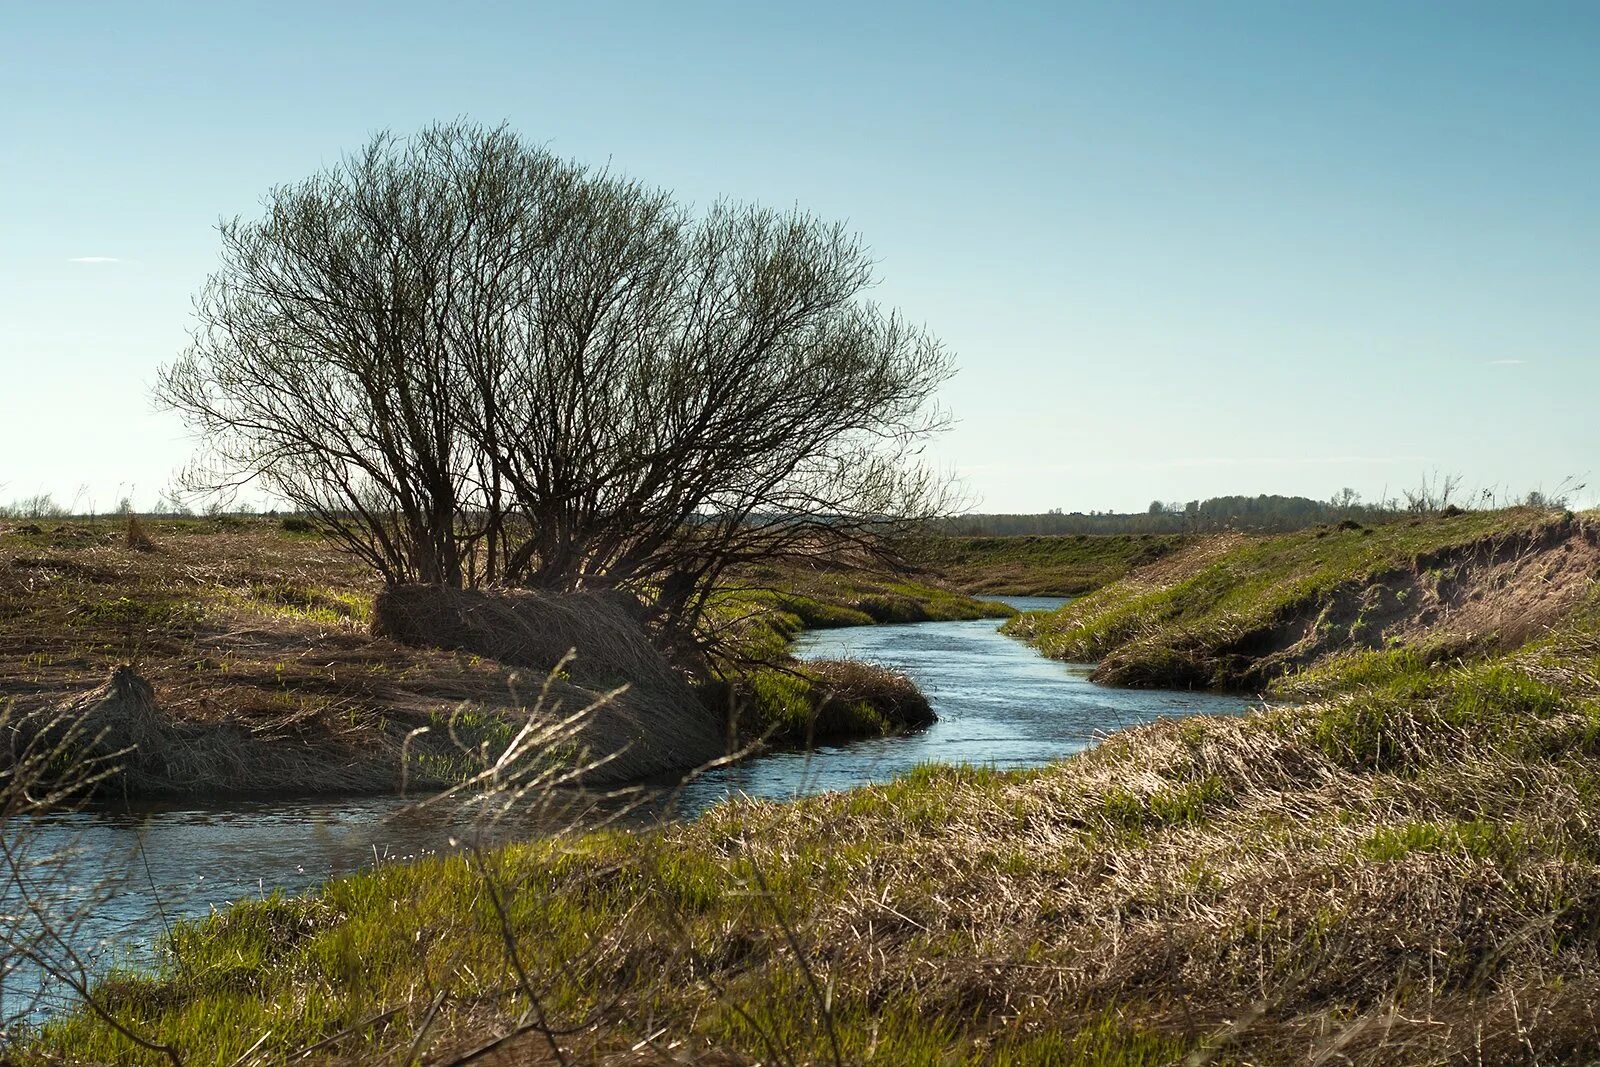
x: 819, y: 701
x: 853, y: 690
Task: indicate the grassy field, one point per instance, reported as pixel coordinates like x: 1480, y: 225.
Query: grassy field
x: 257, y: 632
x: 1039, y: 566
x: 1403, y: 871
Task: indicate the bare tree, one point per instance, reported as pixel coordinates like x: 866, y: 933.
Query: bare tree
x: 38, y: 506
x: 479, y: 364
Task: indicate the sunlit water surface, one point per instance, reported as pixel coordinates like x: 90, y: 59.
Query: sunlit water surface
x: 134, y: 871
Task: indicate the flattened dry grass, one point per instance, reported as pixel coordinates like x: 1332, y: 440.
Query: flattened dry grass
x: 1067, y: 565
x: 1407, y: 872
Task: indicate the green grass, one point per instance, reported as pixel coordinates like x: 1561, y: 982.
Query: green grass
x: 820, y: 701
x: 762, y: 619
x: 1249, y: 887
x: 1132, y: 812
x: 1402, y: 870
x: 1475, y: 838
x: 310, y: 603
x: 153, y: 612
x: 1386, y: 719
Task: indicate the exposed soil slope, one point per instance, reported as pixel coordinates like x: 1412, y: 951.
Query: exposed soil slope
x: 1239, y: 613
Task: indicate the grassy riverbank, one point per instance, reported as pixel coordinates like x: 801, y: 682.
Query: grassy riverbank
x: 1400, y: 873
x: 254, y: 669
x: 1402, y: 870
x: 801, y: 703
x: 1247, y: 613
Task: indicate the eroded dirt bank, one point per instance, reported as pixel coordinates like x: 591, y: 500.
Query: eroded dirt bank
x: 1238, y: 613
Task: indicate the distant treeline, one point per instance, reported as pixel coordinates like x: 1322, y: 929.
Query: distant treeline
x: 1265, y: 513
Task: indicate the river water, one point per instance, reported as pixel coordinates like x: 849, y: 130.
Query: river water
x: 130, y: 873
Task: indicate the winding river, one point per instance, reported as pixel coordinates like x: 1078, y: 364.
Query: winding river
x: 135, y: 871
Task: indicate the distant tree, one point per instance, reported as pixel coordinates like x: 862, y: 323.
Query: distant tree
x: 38, y: 506
x: 476, y: 363
x: 1345, y: 499
x: 1261, y: 513
x: 170, y: 502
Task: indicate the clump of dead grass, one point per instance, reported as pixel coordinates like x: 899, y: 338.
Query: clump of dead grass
x: 596, y: 633
x: 650, y: 722
x: 851, y: 689
x: 136, y: 535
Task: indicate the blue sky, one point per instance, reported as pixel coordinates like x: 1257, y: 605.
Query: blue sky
x: 1178, y: 249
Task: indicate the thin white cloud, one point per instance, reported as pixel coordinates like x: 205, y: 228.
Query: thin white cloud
x: 1507, y: 362
x: 94, y: 259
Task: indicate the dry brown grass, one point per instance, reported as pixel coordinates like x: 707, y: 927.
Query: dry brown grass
x: 648, y: 720
x: 254, y: 645
x: 1202, y: 891
x: 1228, y: 881
x: 601, y: 633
